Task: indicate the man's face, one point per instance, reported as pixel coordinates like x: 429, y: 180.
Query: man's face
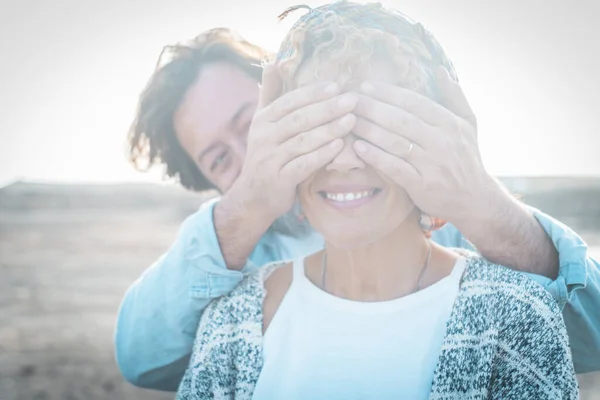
x: 213, y: 120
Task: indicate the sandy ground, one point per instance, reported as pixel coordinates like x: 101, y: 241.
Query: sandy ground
x: 67, y: 255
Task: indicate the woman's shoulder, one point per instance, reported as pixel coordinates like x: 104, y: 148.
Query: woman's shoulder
x: 229, y: 334
x: 520, y: 323
x: 511, y: 289
x: 237, y: 311
x: 522, y: 313
x: 247, y: 297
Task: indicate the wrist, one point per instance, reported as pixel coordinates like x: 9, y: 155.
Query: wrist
x: 238, y: 227
x: 244, y: 207
x: 234, y: 213
x: 505, y: 232
x: 491, y: 209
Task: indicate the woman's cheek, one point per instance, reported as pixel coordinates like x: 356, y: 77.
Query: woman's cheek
x: 303, y: 196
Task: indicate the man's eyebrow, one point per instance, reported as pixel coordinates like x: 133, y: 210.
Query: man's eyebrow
x: 204, y: 152
x: 232, y: 122
x: 236, y: 117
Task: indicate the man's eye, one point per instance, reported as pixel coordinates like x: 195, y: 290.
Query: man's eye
x: 246, y: 128
x: 218, y: 161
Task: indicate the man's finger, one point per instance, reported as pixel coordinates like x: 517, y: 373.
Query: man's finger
x: 415, y: 103
x: 301, y: 168
x: 394, y: 119
x: 397, y: 169
x: 298, y: 98
x: 309, y: 141
x: 453, y: 97
x: 270, y: 87
x: 388, y: 141
x: 314, y: 115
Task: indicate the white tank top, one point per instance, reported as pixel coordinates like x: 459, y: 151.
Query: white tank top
x: 319, y: 346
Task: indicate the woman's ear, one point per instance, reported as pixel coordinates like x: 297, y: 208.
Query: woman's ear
x: 430, y: 224
x: 297, y: 207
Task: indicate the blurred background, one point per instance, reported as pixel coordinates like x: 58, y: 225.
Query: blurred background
x: 78, y: 225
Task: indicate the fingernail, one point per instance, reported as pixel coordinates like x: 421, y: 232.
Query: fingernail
x: 360, y: 147
x: 347, y: 120
x: 334, y: 144
x: 347, y: 101
x: 366, y: 87
x: 331, y: 88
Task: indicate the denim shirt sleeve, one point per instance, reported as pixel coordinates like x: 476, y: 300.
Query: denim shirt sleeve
x: 160, y: 312
x: 576, y: 289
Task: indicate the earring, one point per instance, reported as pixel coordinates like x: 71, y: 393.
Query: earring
x: 430, y: 224
x: 297, y: 209
x: 426, y: 222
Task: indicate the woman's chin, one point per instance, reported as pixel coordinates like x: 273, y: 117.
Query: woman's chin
x: 352, y: 232
x: 351, y: 236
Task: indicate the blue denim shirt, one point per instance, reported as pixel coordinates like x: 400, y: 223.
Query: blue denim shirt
x: 160, y: 313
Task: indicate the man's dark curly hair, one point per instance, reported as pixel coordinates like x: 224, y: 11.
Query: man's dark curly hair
x: 151, y: 138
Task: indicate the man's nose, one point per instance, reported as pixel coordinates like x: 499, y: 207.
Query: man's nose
x: 238, y: 147
x: 347, y: 159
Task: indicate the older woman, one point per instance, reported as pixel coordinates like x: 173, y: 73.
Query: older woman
x: 381, y: 312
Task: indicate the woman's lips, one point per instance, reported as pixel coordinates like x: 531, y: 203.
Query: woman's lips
x: 348, y: 199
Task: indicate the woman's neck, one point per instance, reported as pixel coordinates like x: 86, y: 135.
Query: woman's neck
x: 384, y: 270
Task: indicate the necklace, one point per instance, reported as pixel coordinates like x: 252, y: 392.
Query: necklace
x: 420, y: 278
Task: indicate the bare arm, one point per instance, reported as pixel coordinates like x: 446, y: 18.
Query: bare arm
x: 505, y: 232
x: 238, y: 229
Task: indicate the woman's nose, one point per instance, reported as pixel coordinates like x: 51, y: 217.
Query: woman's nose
x: 347, y: 159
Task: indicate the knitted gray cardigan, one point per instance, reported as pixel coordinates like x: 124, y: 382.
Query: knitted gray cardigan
x: 505, y: 339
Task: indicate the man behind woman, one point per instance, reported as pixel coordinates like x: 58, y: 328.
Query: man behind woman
x: 201, y: 100
x: 381, y: 312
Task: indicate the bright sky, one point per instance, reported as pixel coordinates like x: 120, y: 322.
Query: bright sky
x: 71, y: 71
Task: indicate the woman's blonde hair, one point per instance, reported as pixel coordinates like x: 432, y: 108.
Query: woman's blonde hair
x: 349, y: 36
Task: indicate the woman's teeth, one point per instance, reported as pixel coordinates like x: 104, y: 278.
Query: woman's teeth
x: 349, y: 196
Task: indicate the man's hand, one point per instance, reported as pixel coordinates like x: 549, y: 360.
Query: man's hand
x: 290, y: 138
x: 430, y: 150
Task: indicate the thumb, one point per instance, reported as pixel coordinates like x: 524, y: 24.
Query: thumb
x: 453, y: 97
x: 271, y: 86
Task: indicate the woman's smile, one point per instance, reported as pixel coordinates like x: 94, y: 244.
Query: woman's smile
x: 349, y: 196
x: 353, y: 205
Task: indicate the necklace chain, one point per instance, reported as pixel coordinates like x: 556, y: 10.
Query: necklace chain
x: 420, y: 278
